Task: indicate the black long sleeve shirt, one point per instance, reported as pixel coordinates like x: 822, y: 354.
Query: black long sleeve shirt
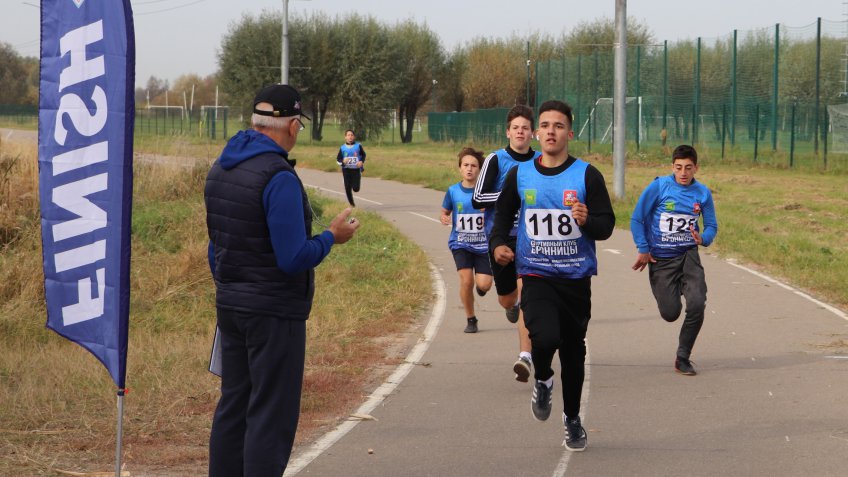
x: 601, y: 217
x: 485, y: 191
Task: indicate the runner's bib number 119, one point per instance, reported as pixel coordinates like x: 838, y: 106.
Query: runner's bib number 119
x: 469, y: 223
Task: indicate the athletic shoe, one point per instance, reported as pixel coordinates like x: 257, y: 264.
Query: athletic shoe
x: 522, y: 369
x: 541, y: 401
x: 479, y: 291
x: 684, y: 366
x: 575, y: 436
x: 471, y: 327
x: 512, y: 314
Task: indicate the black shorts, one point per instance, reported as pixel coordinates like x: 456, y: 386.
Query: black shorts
x: 506, y: 279
x: 467, y: 259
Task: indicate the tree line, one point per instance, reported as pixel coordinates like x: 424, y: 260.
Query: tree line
x: 368, y: 72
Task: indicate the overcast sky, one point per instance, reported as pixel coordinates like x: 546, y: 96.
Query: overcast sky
x: 174, y: 37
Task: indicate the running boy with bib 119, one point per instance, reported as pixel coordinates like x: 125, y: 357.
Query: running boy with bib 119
x: 467, y: 240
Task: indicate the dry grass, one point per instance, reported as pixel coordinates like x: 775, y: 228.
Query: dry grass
x: 58, y: 408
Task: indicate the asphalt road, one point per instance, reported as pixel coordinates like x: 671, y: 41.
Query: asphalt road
x: 769, y: 398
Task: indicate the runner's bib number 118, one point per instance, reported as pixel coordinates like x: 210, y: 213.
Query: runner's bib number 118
x: 551, y: 224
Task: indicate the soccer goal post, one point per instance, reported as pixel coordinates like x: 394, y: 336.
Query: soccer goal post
x: 601, y: 119
x: 838, y: 127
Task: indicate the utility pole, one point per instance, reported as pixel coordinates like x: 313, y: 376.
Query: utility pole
x: 284, y: 60
x: 619, y: 97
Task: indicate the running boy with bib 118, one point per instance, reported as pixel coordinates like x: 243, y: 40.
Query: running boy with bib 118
x: 564, y: 207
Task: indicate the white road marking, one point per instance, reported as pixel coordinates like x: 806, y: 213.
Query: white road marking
x: 767, y: 278
x: 425, y: 217
x: 388, y: 387
x: 613, y: 251
x: 562, y: 466
x: 324, y: 189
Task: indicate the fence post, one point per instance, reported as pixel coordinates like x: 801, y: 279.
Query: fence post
x: 696, y: 113
x: 638, y: 92
x: 665, y: 87
x: 733, y: 93
x: 775, y: 87
x: 756, y: 131
x: 825, y: 128
x: 579, y: 85
x: 591, y: 119
x: 818, y: 87
x: 792, y: 136
x: 723, y: 126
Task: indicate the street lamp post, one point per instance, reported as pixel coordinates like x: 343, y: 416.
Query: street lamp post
x: 433, y: 106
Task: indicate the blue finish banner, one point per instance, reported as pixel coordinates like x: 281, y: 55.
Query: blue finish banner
x: 85, y: 141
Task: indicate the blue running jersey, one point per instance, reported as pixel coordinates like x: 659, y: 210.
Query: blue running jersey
x: 505, y: 164
x: 549, y: 242
x: 350, y: 155
x: 664, y: 214
x: 468, y: 227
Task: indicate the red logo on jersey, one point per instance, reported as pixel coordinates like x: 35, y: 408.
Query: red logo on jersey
x: 569, y: 198
x: 697, y: 208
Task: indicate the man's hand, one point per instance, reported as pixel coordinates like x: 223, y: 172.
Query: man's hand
x: 342, y: 227
x: 695, y: 235
x: 642, y: 261
x: 503, y: 255
x: 579, y: 212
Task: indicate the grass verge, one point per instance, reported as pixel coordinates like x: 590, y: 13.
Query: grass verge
x: 58, y: 404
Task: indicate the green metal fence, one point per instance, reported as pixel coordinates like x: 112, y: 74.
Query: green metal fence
x: 212, y: 123
x: 755, y: 92
x: 482, y: 125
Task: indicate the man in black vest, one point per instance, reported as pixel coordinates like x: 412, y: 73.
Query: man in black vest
x: 262, y: 254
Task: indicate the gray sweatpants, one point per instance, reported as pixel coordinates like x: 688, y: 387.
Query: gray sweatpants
x: 673, y: 277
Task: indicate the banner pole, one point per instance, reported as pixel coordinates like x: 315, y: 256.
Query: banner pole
x: 120, y: 433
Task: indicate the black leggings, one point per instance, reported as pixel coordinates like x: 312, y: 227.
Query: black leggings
x: 352, y: 178
x: 557, y: 312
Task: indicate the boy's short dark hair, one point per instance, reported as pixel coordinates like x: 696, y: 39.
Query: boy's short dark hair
x: 469, y: 151
x: 520, y: 111
x: 562, y: 107
x: 685, y: 151
x: 350, y: 131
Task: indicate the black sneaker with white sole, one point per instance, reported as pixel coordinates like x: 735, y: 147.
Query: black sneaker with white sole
x: 540, y: 403
x: 471, y: 327
x: 522, y: 369
x: 576, y: 439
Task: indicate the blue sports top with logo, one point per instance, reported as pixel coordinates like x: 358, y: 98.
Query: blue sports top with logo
x: 549, y: 242
x: 664, y: 214
x: 468, y: 223
x: 350, y: 154
x: 486, y: 193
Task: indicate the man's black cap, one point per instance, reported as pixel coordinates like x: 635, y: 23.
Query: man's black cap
x: 283, y: 98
